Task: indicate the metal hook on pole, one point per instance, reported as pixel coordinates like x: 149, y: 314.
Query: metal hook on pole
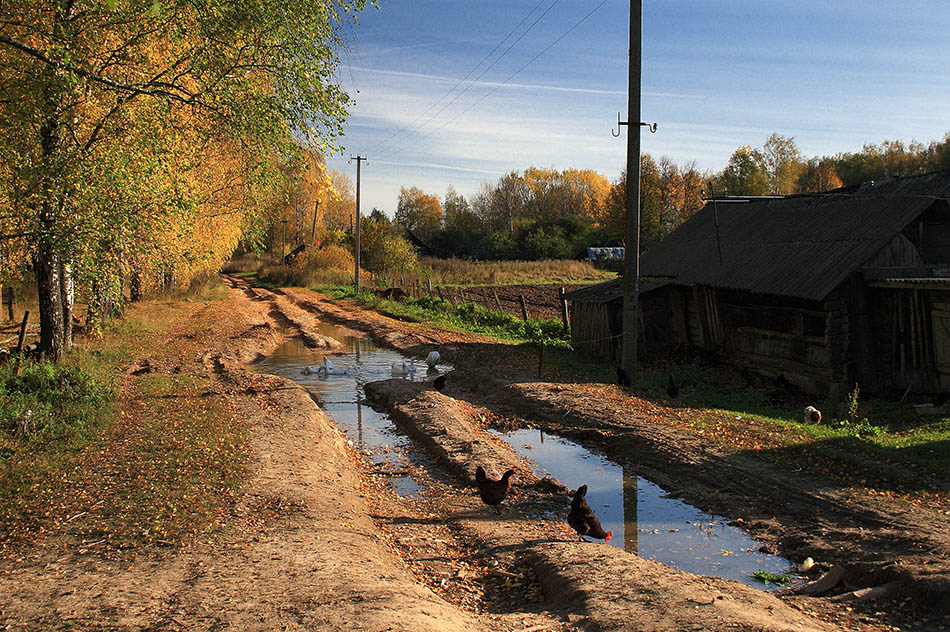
x: 650, y: 126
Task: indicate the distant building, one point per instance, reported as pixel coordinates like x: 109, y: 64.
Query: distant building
x: 827, y: 290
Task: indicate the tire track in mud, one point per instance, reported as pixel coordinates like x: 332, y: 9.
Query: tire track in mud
x: 448, y: 562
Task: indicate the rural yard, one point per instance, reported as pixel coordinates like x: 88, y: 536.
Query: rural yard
x: 350, y: 525
x: 324, y: 316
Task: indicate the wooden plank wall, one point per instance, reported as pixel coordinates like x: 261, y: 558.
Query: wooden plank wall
x: 909, y: 338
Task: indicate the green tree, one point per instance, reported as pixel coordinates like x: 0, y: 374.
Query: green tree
x: 382, y: 248
x: 784, y: 163
x: 746, y: 174
x: 461, y: 227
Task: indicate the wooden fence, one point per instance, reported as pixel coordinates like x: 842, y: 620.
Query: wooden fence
x: 481, y: 296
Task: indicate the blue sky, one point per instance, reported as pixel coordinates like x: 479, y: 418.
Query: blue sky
x: 717, y: 74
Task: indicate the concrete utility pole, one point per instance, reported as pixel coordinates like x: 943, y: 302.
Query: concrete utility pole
x: 356, y: 232
x: 631, y: 265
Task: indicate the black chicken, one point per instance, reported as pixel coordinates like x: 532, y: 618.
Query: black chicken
x: 622, y: 378
x: 492, y: 491
x: 582, y: 518
x: 671, y: 388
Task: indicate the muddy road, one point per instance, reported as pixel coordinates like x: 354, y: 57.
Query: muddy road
x: 321, y: 540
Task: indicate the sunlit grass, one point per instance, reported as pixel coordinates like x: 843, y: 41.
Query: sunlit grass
x: 717, y: 402
x: 154, y: 459
x: 469, y: 317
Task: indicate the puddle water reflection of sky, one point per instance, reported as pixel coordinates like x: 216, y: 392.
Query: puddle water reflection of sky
x: 643, y: 518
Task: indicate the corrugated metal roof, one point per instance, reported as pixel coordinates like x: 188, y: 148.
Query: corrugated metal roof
x: 607, y: 291
x: 802, y: 246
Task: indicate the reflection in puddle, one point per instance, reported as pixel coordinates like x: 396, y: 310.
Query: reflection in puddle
x: 341, y: 396
x: 643, y: 518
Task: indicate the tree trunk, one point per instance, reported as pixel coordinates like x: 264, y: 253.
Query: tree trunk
x: 49, y: 296
x: 105, y: 302
x: 135, y: 286
x: 68, y: 299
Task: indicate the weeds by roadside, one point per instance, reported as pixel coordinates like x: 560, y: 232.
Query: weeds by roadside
x: 115, y: 458
x: 876, y: 443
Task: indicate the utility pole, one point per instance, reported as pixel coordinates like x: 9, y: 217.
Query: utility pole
x: 313, y: 228
x: 631, y: 266
x: 283, y: 239
x: 356, y: 233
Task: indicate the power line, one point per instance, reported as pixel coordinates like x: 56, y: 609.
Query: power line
x: 392, y: 152
x: 409, y: 131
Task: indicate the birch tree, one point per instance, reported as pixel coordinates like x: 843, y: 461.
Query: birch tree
x: 95, y: 91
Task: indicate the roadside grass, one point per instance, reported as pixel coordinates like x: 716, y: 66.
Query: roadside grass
x: 126, y: 460
x: 469, y: 317
x: 878, y: 445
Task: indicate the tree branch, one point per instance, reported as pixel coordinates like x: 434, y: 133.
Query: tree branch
x: 116, y: 85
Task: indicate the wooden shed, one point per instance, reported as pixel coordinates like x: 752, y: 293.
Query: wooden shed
x: 827, y: 290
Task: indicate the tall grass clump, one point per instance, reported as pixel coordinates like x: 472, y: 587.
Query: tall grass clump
x: 49, y: 401
x: 331, y: 265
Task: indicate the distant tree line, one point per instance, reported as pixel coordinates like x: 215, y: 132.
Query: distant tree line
x: 546, y: 213
x: 778, y: 168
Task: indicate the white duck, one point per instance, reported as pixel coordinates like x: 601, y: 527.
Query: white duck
x: 401, y: 368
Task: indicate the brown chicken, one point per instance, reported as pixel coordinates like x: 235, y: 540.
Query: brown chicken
x: 582, y: 518
x: 492, y: 491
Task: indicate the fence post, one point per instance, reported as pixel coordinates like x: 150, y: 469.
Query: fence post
x: 524, y: 307
x: 497, y: 301
x: 429, y: 287
x: 485, y: 298
x: 19, y: 344
x: 564, y: 314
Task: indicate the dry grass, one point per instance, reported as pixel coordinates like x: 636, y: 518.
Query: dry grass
x: 331, y: 265
x: 243, y: 264
x: 549, y: 271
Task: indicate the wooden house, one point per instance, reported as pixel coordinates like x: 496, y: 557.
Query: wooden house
x: 827, y: 290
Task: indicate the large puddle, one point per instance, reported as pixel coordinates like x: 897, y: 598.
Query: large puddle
x: 643, y: 518
x: 341, y: 396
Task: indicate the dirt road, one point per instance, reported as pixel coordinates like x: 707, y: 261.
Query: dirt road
x: 318, y: 540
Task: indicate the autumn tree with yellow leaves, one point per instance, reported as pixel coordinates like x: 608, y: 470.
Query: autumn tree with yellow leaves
x: 113, y: 112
